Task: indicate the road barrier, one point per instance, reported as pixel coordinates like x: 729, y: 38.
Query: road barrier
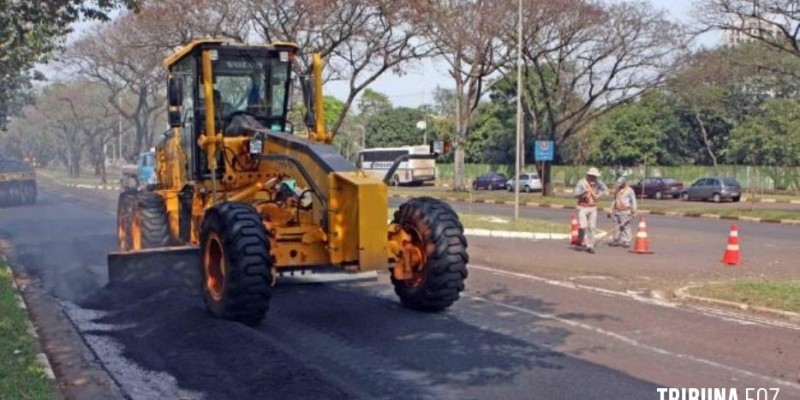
x: 732, y: 255
x: 574, y: 239
x: 642, y: 244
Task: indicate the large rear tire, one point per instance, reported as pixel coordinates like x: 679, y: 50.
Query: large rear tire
x: 237, y: 266
x: 153, y: 220
x: 442, y: 241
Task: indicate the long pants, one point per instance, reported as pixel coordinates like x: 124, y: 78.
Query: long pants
x: 622, y: 219
x: 587, y: 220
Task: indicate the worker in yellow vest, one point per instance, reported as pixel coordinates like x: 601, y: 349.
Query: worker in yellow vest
x: 588, y: 191
x: 623, y: 209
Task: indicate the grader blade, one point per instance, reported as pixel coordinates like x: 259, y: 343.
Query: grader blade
x: 169, y: 266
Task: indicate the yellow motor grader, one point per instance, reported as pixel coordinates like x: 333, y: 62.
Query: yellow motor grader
x: 248, y: 199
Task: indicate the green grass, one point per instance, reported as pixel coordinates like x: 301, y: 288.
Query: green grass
x: 508, y: 224
x: 772, y: 294
x: 21, y: 377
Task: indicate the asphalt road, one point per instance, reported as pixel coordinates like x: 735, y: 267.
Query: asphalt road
x: 520, y: 331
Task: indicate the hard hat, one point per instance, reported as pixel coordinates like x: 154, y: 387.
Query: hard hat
x: 593, y: 172
x: 621, y: 181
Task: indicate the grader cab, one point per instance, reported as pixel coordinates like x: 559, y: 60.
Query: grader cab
x: 240, y: 197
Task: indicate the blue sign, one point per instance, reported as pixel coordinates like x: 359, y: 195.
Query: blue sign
x: 544, y: 151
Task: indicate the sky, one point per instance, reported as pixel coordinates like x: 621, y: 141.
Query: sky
x: 415, y: 87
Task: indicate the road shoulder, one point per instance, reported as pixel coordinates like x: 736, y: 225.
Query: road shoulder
x: 78, y: 373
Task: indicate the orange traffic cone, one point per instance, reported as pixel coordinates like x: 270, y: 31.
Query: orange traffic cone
x: 732, y: 254
x: 642, y: 244
x: 574, y: 240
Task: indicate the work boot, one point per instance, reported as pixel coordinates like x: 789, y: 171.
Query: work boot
x: 590, y: 250
x: 614, y: 244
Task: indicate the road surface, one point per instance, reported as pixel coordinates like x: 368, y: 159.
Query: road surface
x: 522, y: 329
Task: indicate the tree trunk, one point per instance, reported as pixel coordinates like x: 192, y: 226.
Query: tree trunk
x: 103, y: 175
x: 706, y: 142
x: 459, y: 183
x: 458, y: 168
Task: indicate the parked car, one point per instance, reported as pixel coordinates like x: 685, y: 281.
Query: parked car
x: 529, y: 182
x: 714, y: 188
x: 658, y: 188
x: 490, y: 181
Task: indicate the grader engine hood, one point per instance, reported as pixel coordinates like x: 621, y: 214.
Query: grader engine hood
x: 354, y: 203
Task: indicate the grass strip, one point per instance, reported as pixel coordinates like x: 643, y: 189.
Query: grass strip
x: 779, y: 295
x: 21, y: 377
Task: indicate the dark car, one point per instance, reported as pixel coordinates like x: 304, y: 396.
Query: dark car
x: 490, y: 181
x: 658, y: 188
x: 713, y: 188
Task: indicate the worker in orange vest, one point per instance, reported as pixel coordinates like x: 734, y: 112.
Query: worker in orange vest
x: 588, y: 191
x: 623, y: 209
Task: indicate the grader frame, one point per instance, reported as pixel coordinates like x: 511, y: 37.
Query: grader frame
x: 235, y: 183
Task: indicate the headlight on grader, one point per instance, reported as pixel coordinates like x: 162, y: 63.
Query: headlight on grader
x: 255, y: 146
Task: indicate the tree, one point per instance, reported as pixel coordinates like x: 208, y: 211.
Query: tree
x: 586, y: 58
x: 631, y: 135
x: 769, y: 137
x: 772, y: 22
x: 30, y: 32
x: 373, y: 102
x: 127, y: 56
x: 360, y: 40
x: 394, y: 127
x: 467, y: 36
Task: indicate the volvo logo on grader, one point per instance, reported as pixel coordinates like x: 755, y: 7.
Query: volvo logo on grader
x: 231, y: 217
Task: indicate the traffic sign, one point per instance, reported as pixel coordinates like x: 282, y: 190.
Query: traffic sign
x: 544, y: 151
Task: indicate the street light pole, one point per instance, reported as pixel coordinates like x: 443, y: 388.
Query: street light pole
x: 423, y: 126
x: 519, y: 112
x: 119, y: 131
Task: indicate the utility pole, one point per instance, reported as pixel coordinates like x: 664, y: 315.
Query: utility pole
x: 519, y: 111
x: 119, y: 131
x: 423, y: 126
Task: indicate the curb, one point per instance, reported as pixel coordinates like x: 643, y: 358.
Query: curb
x: 515, y: 235
x: 682, y: 295
x: 41, y: 357
x: 647, y: 212
x: 93, y: 187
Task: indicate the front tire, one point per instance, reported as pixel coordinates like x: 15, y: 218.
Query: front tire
x: 442, y: 241
x: 237, y: 266
x: 716, y: 198
x: 658, y: 196
x: 685, y: 196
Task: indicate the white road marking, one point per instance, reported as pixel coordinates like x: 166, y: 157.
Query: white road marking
x: 636, y: 296
x: 633, y: 342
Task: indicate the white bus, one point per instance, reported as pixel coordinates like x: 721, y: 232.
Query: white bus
x: 378, y: 161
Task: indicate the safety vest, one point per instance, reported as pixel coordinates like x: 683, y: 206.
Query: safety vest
x: 621, y: 193
x: 589, y: 198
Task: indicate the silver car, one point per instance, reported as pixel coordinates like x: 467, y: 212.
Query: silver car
x: 715, y: 189
x: 529, y: 182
